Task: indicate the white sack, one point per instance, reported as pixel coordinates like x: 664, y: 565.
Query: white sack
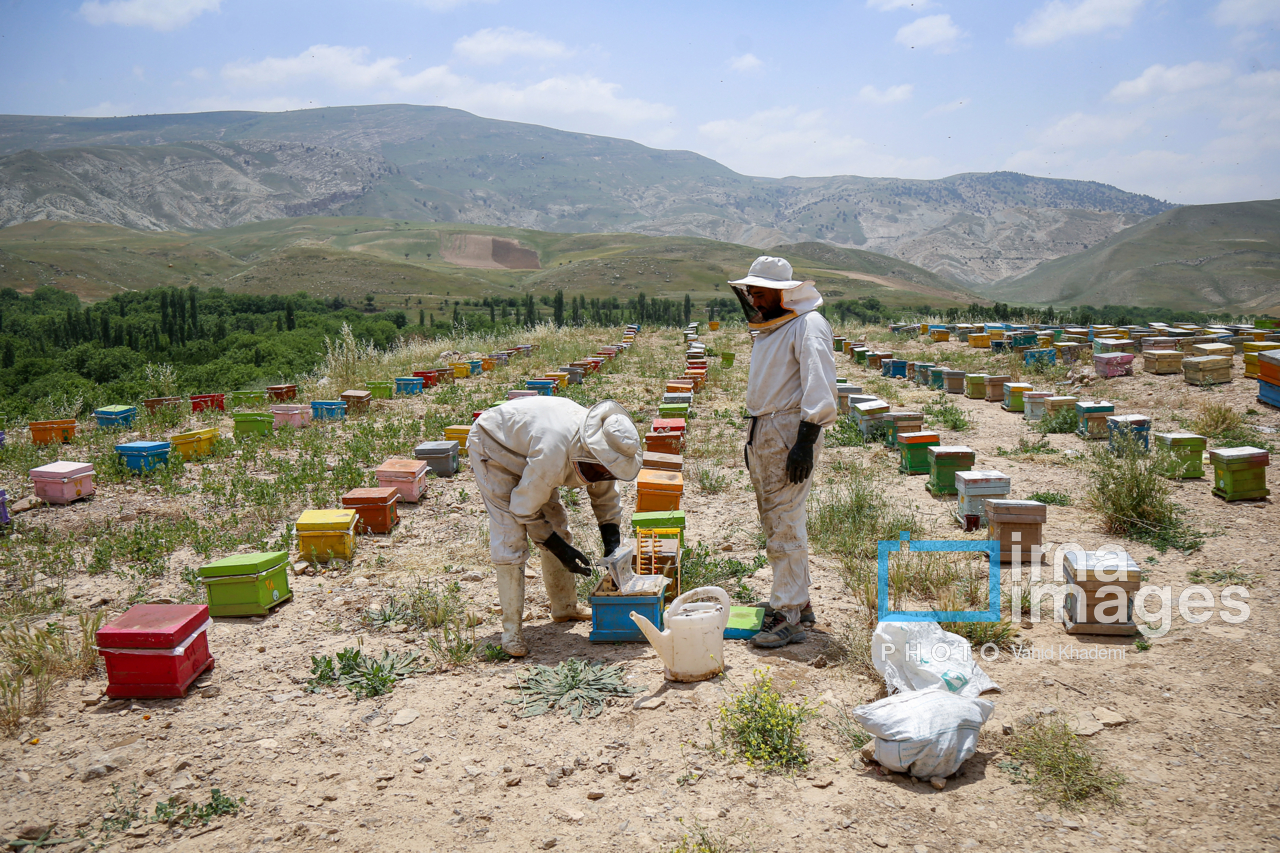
x: 920, y: 655
x: 925, y: 732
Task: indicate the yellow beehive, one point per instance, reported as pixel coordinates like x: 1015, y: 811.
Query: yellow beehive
x: 561, y: 378
x: 327, y: 533
x: 458, y: 433
x: 1214, y: 349
x: 190, y: 445
x: 1251, y: 350
x: 980, y: 341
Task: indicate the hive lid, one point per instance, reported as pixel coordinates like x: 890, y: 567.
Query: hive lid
x: 1176, y: 438
x: 326, y: 519
x: 288, y: 409
x: 61, y: 470
x: 998, y: 379
x: 244, y: 564
x: 1028, y: 511
x: 672, y: 518
x: 139, y: 448
x: 1101, y: 565
x: 872, y: 407
x: 195, y: 434
x: 1018, y: 386
x: 243, y: 417
x: 1163, y: 353
x: 402, y: 468
x: 981, y: 478
x: 357, y: 394
x: 668, y: 424
x: 917, y: 437
x: 949, y: 450
x: 152, y: 626
x: 1255, y: 455
x: 663, y: 460
x: 431, y: 449
x: 1270, y: 357
x: 115, y: 410
x: 377, y: 496
x: 1036, y: 395
x: 906, y: 416
x: 1207, y: 362
x: 653, y: 479
x: 1113, y: 357
x: 1129, y: 420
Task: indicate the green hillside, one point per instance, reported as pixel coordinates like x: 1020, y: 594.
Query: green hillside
x: 398, y: 261
x: 1198, y: 258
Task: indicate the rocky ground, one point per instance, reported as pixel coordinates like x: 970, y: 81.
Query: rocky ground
x: 443, y: 763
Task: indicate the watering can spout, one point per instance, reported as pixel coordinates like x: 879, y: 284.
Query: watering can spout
x: 660, y: 640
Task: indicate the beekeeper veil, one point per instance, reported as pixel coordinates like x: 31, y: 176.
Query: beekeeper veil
x: 798, y: 297
x: 608, y: 438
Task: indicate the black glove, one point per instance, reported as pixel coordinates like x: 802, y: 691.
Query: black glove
x: 800, y: 459
x: 611, y: 536
x: 570, y: 557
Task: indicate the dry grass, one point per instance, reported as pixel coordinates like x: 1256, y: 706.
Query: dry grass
x: 1216, y: 419
x: 33, y: 658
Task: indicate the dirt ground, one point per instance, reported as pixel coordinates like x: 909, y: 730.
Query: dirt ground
x: 443, y: 764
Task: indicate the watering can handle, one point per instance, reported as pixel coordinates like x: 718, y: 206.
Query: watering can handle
x: 694, y: 595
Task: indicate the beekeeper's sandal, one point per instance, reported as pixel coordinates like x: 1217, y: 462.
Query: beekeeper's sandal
x: 778, y: 632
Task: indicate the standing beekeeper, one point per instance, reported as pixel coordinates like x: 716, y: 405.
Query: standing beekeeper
x: 791, y: 396
x: 523, y: 451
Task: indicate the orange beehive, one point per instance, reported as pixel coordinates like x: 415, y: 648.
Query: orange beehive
x: 664, y: 442
x: 658, y: 491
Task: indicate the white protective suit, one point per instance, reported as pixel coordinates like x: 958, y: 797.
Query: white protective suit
x: 522, y: 452
x: 792, y: 379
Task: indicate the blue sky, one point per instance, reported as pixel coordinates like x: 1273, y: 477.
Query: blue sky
x: 1177, y: 99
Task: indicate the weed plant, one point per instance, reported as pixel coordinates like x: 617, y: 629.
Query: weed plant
x: 700, y: 567
x: 1134, y: 500
x: 1057, y: 422
x: 1066, y: 772
x: 763, y: 729
x: 943, y: 412
x: 849, y: 732
x: 1050, y: 498
x: 574, y: 686
x: 364, y: 675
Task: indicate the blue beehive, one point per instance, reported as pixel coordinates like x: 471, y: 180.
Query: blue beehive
x: 408, y: 384
x: 143, y: 455
x: 1267, y: 393
x: 477, y: 366
x: 897, y: 367
x: 116, y: 416
x: 1137, y: 426
x: 1041, y: 356
x: 611, y: 615
x: 544, y: 387
x: 328, y: 410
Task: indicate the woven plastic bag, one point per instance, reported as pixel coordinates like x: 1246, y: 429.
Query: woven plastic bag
x: 920, y: 655
x: 924, y: 732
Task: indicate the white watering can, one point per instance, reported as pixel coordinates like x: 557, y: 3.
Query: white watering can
x: 692, y: 647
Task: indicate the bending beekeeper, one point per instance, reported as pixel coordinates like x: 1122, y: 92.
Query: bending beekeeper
x: 791, y: 396
x: 523, y: 451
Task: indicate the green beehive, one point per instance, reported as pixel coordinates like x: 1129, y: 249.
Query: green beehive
x: 900, y: 423
x: 913, y: 451
x: 1186, y: 450
x: 247, y: 584
x: 1240, y: 473
x: 381, y: 389
x: 246, y: 398
x: 1013, y: 392
x: 673, y: 410
x: 252, y: 423
x: 1091, y: 418
x: 944, y: 462
x: 668, y: 519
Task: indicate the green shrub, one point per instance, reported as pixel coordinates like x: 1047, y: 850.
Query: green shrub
x: 763, y: 729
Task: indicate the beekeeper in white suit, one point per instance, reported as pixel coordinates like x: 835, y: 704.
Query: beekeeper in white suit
x: 523, y: 451
x: 791, y: 397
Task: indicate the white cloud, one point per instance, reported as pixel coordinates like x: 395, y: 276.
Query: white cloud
x: 220, y: 103
x: 934, y: 31
x: 1057, y: 20
x: 871, y: 95
x: 1080, y: 129
x: 890, y: 5
x: 1246, y: 13
x: 942, y: 109
x: 584, y: 99
x: 106, y: 109
x: 1167, y: 80
x: 492, y: 46
x: 746, y: 62
x: 199, y: 73
x: 162, y: 15
x: 785, y: 141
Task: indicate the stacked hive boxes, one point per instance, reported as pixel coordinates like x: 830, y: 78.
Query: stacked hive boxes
x: 1017, y: 526
x: 1107, y: 581
x: 1269, y: 378
x: 945, y: 461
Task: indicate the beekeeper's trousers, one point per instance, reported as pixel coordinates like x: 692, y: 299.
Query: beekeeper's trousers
x: 509, y: 541
x: 781, y: 504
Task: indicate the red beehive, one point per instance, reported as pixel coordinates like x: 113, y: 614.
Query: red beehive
x: 669, y: 425
x: 375, y: 508
x: 155, y: 651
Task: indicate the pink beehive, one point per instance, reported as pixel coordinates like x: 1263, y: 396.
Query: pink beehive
x: 516, y: 394
x: 288, y: 413
x: 1111, y: 364
x: 407, y: 476
x: 63, y: 482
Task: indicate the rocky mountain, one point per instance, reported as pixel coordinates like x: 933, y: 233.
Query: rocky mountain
x: 444, y: 165
x: 1210, y: 257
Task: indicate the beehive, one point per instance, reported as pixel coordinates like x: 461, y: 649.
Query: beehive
x: 1185, y: 451
x: 324, y: 534
x: 289, y: 414
x: 1240, y: 473
x: 357, y: 401
x: 1122, y: 429
x: 381, y: 389
x: 921, y: 375
x: 1268, y: 393
x: 115, y: 416
x: 673, y: 410
x: 1069, y: 352
x: 1207, y: 370
x: 1112, y: 364
x: 1042, y: 357
x: 252, y: 423
x: 328, y: 410
x: 59, y: 431
x: 953, y: 381
x: 1162, y: 361
x: 441, y: 456
x: 246, y: 398
x: 937, y: 378
x: 155, y: 651
x: 995, y: 388
x: 192, y: 445
x: 208, y: 402
x: 1033, y: 404
x: 671, y: 522
x: 1156, y: 342
x: 894, y: 367
x: 1017, y: 526
x: 679, y: 386
x: 1091, y: 419
x: 1251, y: 351
x: 944, y: 462
x: 975, y: 386
x: 940, y: 335
x: 143, y: 455
x: 62, y: 482
x: 870, y: 418
x: 458, y: 433
x: 375, y: 508
x: 1225, y: 350
x: 1269, y: 367
x: 1013, y: 396
x: 1107, y: 581
x: 670, y: 443
x: 972, y: 489
x: 913, y: 451
x: 544, y: 387
x: 409, y: 385
x: 658, y: 491
x: 247, y: 584
x: 900, y: 423
x: 280, y: 393
x: 1058, y: 401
